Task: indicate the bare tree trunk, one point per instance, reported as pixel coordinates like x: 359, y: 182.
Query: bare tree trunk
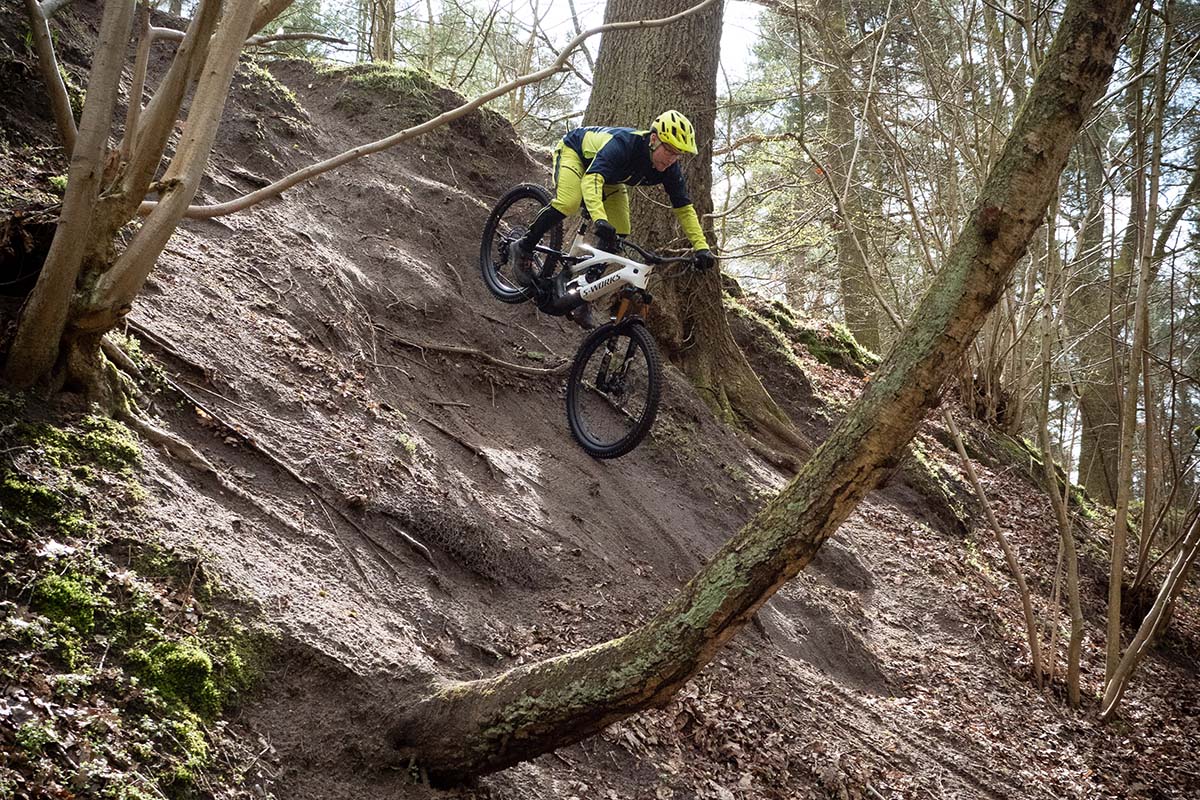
x: 115, y: 290
x: 1010, y: 555
x: 793, y: 279
x: 60, y: 102
x: 1089, y: 320
x: 383, y: 20
x: 1065, y: 532
x: 469, y: 728
x: 431, y: 37
x: 55, y: 327
x: 1133, y: 375
x: 1154, y: 622
x: 862, y: 314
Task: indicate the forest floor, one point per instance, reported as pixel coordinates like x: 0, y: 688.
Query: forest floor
x: 296, y: 345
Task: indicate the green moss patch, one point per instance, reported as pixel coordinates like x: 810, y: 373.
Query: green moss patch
x: 109, y: 645
x: 828, y: 343
x: 379, y: 83
x: 52, y: 471
x: 1023, y: 453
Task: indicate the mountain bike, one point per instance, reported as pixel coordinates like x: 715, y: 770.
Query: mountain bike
x: 616, y: 376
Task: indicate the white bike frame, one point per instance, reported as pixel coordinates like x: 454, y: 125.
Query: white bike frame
x: 629, y: 273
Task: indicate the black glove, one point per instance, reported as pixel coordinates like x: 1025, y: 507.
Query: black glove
x: 704, y: 260
x: 606, y: 236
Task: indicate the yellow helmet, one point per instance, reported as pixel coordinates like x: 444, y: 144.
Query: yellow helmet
x: 675, y: 129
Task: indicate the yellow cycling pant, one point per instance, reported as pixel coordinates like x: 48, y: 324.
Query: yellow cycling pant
x: 568, y: 185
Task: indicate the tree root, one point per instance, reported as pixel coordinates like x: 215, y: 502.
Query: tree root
x: 113, y: 352
x: 189, y: 455
x: 181, y: 450
x: 476, y: 449
x: 239, y: 431
x: 786, y: 462
x: 165, y: 344
x: 540, y: 372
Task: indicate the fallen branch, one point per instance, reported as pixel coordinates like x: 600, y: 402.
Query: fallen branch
x: 171, y: 34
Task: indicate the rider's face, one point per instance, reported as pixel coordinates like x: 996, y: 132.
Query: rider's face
x: 662, y: 155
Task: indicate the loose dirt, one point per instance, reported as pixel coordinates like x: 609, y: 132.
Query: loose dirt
x: 893, y: 667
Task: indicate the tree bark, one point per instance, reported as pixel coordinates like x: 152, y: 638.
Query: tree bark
x: 468, y: 728
x: 639, y: 74
x: 383, y: 20
x: 60, y: 101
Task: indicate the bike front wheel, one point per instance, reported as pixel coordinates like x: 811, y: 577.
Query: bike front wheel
x: 613, y: 392
x: 510, y: 220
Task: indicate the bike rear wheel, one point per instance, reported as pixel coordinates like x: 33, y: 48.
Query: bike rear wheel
x: 613, y: 392
x: 510, y: 220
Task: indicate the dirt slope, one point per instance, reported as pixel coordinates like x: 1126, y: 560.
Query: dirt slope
x: 893, y: 667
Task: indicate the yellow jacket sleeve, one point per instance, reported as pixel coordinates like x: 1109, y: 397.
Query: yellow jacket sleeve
x: 593, y: 195
x: 691, y: 226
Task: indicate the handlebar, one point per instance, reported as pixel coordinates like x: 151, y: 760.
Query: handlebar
x: 654, y: 258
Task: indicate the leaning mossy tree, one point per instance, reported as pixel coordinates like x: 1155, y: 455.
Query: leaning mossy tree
x: 469, y: 728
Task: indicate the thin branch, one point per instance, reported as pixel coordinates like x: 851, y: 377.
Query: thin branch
x: 241, y: 203
x: 755, y: 138
x: 133, y: 109
x: 60, y: 101
x: 173, y: 35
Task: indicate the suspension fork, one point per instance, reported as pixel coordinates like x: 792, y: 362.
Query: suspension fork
x: 616, y: 380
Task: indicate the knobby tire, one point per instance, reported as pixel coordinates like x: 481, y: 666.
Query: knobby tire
x: 631, y: 336
x: 512, y: 215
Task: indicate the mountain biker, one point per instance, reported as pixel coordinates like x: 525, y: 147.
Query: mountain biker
x: 593, y: 166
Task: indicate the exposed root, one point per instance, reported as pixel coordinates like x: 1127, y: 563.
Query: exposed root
x: 254, y: 444
x: 413, y: 543
x: 188, y: 454
x: 785, y: 462
x: 784, y: 432
x: 535, y: 337
x: 476, y: 449
x: 121, y: 359
x: 165, y: 344
x: 558, y: 369
x: 181, y: 450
